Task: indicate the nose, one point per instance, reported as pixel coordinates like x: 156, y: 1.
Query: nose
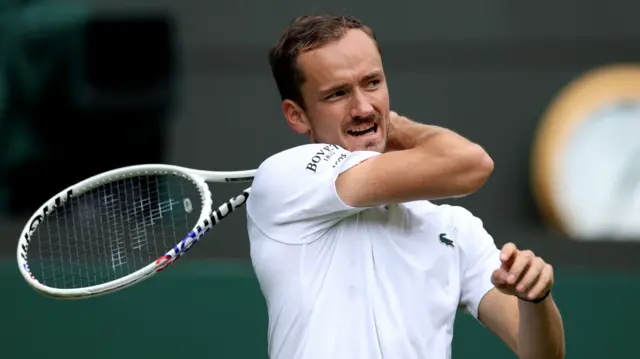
x: 361, y: 106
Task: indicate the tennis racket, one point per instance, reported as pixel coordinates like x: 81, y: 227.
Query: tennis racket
x: 120, y: 227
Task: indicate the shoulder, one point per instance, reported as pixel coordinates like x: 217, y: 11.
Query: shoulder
x: 309, y: 159
x: 296, y: 175
x: 299, y: 166
x: 293, y: 197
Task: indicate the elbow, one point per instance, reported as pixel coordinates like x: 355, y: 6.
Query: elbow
x: 559, y: 353
x: 483, y: 164
x: 476, y: 169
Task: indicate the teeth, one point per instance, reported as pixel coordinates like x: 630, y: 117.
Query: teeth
x: 362, y: 129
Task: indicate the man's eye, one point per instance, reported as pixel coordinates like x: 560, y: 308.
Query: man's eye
x: 337, y: 94
x: 373, y: 83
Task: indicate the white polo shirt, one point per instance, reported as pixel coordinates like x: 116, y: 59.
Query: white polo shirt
x: 359, y: 283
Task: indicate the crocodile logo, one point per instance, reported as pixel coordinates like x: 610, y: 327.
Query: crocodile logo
x: 446, y: 241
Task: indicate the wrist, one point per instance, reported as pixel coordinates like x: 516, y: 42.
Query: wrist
x: 405, y: 133
x: 536, y: 300
x: 401, y: 135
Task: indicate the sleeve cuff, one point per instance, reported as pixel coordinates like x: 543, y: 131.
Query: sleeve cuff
x: 351, y: 160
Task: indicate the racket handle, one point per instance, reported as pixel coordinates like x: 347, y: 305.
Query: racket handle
x: 226, y: 208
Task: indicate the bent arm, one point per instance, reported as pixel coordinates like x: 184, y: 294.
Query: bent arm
x: 422, y: 163
x: 531, y: 330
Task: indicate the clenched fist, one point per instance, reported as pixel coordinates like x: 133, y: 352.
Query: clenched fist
x: 522, y: 274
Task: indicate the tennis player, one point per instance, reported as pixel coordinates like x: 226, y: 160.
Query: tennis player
x: 352, y: 258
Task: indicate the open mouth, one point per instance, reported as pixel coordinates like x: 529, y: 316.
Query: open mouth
x: 363, y: 131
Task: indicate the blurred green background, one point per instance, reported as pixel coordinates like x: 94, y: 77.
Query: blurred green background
x: 200, y: 309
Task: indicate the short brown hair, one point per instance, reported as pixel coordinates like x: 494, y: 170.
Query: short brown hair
x: 306, y: 33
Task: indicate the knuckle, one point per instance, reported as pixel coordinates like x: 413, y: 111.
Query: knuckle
x: 535, y: 270
x: 542, y: 262
x: 532, y: 274
x: 527, y: 282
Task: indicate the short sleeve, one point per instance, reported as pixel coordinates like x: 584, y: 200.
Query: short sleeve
x: 479, y: 257
x: 293, y: 195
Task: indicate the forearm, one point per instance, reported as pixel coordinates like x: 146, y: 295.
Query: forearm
x: 421, y: 163
x: 541, y: 333
x: 459, y: 164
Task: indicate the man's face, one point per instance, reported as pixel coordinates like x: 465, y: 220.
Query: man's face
x: 345, y: 94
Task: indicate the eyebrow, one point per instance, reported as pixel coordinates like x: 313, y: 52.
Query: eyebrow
x: 341, y: 86
x: 372, y: 75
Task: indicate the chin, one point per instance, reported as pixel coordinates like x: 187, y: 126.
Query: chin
x: 376, y: 146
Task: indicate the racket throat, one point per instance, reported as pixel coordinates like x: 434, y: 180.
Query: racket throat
x: 228, y: 207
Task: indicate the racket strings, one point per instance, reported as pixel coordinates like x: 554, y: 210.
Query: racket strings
x: 113, y: 230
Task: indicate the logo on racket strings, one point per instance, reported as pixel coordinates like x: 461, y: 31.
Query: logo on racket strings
x: 46, y: 210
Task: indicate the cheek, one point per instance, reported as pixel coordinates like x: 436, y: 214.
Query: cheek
x: 380, y: 100
x: 328, y: 119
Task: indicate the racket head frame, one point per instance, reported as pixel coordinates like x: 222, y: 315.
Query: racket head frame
x: 207, y: 219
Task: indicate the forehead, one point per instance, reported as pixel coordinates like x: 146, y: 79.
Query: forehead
x: 353, y: 56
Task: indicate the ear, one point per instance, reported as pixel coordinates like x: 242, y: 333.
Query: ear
x: 296, y: 117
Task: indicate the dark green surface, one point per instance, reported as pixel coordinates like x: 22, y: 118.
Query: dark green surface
x: 202, y: 309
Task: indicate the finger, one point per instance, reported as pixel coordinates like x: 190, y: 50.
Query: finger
x: 530, y: 276
x: 508, y: 251
x: 499, y: 277
x: 545, y: 281
x: 522, y: 262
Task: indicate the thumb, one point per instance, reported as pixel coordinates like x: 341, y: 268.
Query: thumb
x: 499, y: 277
